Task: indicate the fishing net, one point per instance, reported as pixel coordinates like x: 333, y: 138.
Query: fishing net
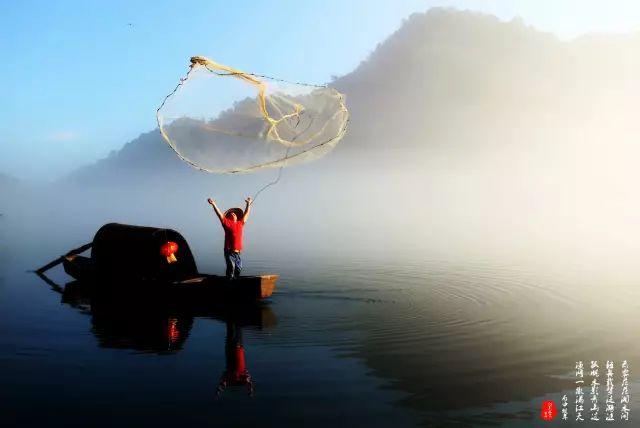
x: 222, y: 120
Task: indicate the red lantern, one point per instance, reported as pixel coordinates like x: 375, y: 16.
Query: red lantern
x: 168, y: 250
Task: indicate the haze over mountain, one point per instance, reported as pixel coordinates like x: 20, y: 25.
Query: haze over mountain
x: 467, y: 134
x: 461, y: 84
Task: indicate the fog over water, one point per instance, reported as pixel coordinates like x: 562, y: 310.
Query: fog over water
x: 467, y: 135
x: 472, y: 237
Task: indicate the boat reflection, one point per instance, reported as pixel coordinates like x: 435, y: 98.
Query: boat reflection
x: 154, y: 325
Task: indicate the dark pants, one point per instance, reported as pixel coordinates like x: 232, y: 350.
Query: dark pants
x: 234, y: 264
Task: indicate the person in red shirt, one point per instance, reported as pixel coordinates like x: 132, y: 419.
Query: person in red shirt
x: 233, y: 224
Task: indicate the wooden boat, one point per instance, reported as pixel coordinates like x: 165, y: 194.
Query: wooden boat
x: 201, y: 285
x: 134, y: 259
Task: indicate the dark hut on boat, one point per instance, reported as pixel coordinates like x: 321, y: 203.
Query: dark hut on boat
x: 157, y: 260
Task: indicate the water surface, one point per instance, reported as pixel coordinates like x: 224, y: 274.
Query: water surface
x: 346, y: 340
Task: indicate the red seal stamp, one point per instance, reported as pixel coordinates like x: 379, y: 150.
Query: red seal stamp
x: 548, y: 411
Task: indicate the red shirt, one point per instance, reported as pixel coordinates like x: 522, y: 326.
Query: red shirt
x: 232, y: 234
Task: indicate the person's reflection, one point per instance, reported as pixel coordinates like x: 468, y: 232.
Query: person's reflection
x: 236, y: 372
x: 163, y: 326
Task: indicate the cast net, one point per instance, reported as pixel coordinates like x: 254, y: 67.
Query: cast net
x: 223, y: 120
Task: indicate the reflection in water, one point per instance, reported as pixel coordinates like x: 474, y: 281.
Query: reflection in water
x: 470, y: 344
x: 236, y: 372
x: 162, y: 327
x: 147, y: 332
x: 431, y: 343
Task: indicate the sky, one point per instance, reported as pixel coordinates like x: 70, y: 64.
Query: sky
x: 83, y: 78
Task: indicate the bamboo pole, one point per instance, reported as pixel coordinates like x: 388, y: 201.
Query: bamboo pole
x: 60, y: 259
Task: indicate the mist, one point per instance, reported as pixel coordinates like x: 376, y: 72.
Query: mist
x: 470, y: 138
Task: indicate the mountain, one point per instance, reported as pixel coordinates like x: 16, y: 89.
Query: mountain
x: 461, y: 85
x: 467, y: 135
x: 148, y: 155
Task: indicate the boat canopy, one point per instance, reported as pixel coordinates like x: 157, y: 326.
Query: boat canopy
x: 128, y: 252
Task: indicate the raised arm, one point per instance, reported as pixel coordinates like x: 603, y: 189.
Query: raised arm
x: 247, y: 210
x: 215, y: 208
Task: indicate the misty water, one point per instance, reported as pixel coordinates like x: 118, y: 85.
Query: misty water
x: 402, y: 324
